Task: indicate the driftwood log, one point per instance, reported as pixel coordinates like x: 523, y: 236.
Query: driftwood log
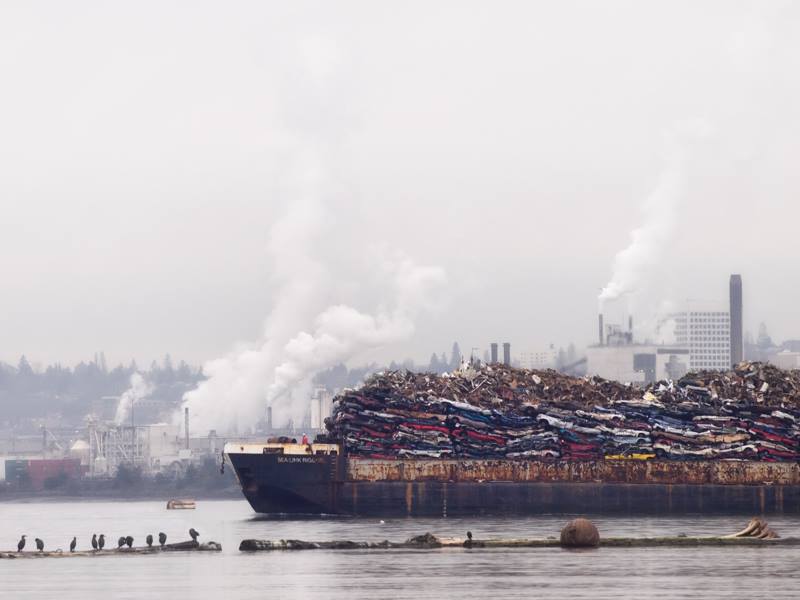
x: 190, y: 546
x: 757, y: 533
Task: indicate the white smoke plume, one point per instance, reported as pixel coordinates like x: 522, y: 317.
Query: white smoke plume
x: 300, y: 337
x: 634, y: 265
x: 139, y: 390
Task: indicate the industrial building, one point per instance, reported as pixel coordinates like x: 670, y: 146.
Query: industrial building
x: 618, y: 357
x: 541, y: 359
x: 706, y: 331
x: 706, y: 337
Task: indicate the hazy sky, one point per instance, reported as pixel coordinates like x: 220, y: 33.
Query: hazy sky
x: 147, y: 148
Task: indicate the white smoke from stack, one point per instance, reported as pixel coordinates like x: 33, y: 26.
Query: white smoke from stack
x: 139, y: 390
x: 306, y: 330
x: 341, y: 332
x: 302, y: 337
x: 636, y: 263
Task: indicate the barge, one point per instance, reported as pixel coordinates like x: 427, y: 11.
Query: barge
x: 322, y: 479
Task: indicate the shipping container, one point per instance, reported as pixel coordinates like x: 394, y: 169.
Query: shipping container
x: 54, y: 473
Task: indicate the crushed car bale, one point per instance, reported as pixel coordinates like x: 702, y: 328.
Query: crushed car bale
x: 750, y: 413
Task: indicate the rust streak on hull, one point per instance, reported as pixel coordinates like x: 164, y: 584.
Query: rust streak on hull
x: 605, y: 471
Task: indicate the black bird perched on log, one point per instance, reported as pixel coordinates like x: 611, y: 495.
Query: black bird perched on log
x: 469, y: 535
x: 129, y: 541
x: 39, y: 545
x: 194, y: 533
x: 149, y: 540
x: 162, y: 538
x: 468, y: 541
x: 101, y: 541
x: 21, y: 543
x: 73, y: 543
x: 121, y: 541
x: 94, y: 541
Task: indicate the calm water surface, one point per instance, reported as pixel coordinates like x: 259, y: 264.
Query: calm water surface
x: 448, y: 573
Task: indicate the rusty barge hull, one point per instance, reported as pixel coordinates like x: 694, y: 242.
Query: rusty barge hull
x: 331, y: 483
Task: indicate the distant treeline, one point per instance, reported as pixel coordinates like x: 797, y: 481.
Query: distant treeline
x: 27, y: 393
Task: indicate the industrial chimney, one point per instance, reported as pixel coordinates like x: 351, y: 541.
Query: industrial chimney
x: 600, y: 327
x: 494, y: 352
x: 737, y: 347
x: 506, y: 353
x: 186, y: 425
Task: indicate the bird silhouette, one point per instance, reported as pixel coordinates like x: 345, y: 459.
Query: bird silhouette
x: 39, y: 545
x: 21, y: 543
x: 72, y: 544
x: 194, y: 533
x: 94, y: 541
x: 162, y: 538
x: 101, y: 541
x: 149, y: 540
x: 129, y: 541
x: 468, y: 541
x: 121, y: 541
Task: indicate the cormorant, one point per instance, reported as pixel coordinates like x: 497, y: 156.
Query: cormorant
x: 21, y: 543
x: 149, y: 540
x: 129, y: 541
x: 194, y: 533
x: 39, y: 545
x: 72, y: 544
x: 162, y: 538
x: 101, y: 541
x: 121, y: 541
x: 94, y: 541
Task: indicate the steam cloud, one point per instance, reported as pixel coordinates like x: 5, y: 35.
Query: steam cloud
x: 300, y: 338
x: 636, y: 262
x: 139, y: 389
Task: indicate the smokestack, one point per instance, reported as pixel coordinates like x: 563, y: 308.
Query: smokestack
x: 630, y: 324
x: 186, y: 425
x: 269, y: 419
x: 600, y: 327
x: 737, y: 347
x: 494, y: 352
x: 506, y: 353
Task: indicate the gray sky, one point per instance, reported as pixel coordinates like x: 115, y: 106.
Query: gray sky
x: 146, y: 150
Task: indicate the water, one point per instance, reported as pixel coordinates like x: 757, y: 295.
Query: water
x: 447, y: 573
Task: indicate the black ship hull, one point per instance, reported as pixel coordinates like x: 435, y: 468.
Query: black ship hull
x: 325, y: 485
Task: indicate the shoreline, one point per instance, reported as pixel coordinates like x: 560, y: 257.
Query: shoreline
x: 120, y: 496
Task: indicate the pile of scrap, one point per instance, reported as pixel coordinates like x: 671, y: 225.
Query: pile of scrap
x: 751, y: 413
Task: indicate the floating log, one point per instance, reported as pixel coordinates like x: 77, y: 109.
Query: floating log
x: 429, y: 541
x: 190, y: 546
x: 178, y: 504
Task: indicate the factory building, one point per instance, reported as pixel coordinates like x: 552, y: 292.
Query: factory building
x: 706, y: 331
x: 538, y: 359
x: 618, y: 357
x: 637, y: 363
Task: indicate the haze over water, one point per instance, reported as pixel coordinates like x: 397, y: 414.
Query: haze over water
x: 448, y: 573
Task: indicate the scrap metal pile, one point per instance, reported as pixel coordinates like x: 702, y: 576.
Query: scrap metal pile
x: 495, y: 411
